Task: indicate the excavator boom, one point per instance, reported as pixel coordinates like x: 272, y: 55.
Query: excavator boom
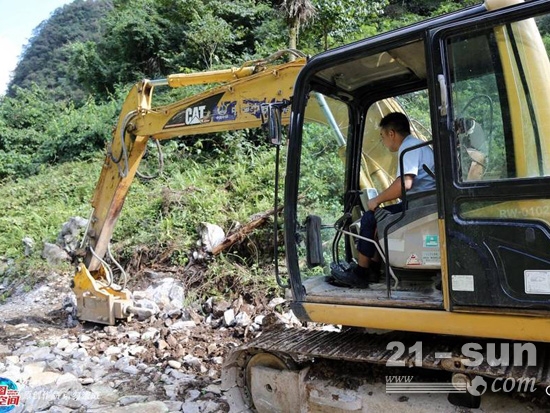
x: 234, y: 102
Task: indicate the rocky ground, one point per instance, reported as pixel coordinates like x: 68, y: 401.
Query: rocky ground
x: 168, y: 363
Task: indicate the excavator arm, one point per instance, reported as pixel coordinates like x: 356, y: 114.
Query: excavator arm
x: 235, y: 102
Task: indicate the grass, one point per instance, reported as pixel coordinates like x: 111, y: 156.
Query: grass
x: 224, y: 187
x: 38, y: 206
x: 222, y: 179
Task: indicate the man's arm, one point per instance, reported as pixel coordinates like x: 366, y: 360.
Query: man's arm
x: 390, y: 193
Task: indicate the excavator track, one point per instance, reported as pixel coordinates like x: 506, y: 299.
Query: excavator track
x: 286, y: 356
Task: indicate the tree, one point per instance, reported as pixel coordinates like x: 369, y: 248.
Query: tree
x: 154, y: 38
x: 297, y: 13
x: 336, y: 20
x: 45, y: 59
x: 208, y: 34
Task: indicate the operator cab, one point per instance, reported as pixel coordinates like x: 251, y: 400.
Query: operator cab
x: 477, y: 94
x: 352, y: 165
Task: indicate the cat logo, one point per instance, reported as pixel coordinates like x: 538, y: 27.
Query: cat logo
x: 194, y: 115
x: 199, y: 113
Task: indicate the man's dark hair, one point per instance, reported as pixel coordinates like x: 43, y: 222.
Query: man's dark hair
x: 396, y: 121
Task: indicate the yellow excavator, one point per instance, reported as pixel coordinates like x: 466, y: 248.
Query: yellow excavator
x: 240, y: 99
x: 466, y: 282
x: 466, y: 286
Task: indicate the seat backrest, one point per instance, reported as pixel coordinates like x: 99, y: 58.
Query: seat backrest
x: 473, y: 147
x: 418, y: 207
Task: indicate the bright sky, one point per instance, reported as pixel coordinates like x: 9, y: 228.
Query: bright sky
x: 18, y: 18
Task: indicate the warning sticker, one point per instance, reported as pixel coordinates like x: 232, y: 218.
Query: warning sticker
x: 462, y: 282
x: 431, y: 241
x: 414, y: 260
x: 431, y: 257
x: 537, y: 281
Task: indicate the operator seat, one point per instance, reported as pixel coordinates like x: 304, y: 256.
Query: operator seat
x: 413, y: 237
x: 472, y: 148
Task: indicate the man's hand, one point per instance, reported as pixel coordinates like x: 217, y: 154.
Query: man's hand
x: 390, y: 193
x: 372, y: 204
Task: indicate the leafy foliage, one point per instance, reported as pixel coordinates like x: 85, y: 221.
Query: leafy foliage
x: 45, y: 59
x: 35, y: 131
x: 336, y: 20
x: 67, y: 90
x: 153, y: 38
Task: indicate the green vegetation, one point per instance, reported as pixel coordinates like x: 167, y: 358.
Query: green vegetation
x: 62, y: 103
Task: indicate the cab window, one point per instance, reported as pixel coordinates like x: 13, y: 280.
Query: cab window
x: 500, y: 102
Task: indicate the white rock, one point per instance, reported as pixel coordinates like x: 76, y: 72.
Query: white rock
x: 133, y: 336
x: 43, y: 379
x: 126, y: 400
x: 104, y: 393
x: 54, y: 254
x: 113, y: 351
x: 133, y: 370
x: 213, y: 388
x: 148, y: 304
x: 275, y: 302
x: 173, y: 406
x: 4, y: 350
x: 291, y: 319
x: 28, y: 244
x: 192, y: 361
x: 79, y: 354
x: 171, y: 391
x: 14, y: 373
x: 33, y: 369
x: 71, y: 347
x: 149, y: 334
x: 68, y: 381
x: 190, y: 407
x: 134, y: 349
x: 174, y: 364
x: 76, y: 369
x: 192, y: 395
x: 211, y: 235
x: 229, y: 317
x: 242, y: 319
x: 12, y: 359
x: 60, y: 409
x: 182, y: 325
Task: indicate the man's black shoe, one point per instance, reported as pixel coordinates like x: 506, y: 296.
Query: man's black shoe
x: 347, y: 277
x: 373, y: 272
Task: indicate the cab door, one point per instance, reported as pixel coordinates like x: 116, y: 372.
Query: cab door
x: 492, y: 77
